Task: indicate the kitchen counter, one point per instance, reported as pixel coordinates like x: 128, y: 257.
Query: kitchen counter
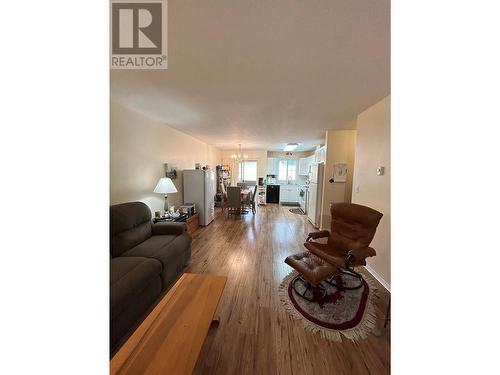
x: 289, y: 193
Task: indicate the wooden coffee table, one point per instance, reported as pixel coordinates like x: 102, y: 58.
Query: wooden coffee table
x: 169, y: 340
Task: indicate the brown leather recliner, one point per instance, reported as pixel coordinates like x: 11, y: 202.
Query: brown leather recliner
x: 353, y: 227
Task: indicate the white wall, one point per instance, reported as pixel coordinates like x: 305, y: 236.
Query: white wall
x: 373, y: 150
x: 340, y: 146
x: 139, y: 148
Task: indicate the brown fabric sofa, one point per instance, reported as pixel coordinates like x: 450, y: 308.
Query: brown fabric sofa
x: 146, y: 259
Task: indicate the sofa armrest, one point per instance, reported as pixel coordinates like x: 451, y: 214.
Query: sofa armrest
x: 163, y: 228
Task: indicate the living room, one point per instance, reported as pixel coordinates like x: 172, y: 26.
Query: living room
x: 218, y: 188
x: 262, y: 139
x: 243, y: 248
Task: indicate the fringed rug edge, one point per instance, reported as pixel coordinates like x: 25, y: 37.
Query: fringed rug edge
x: 360, y: 331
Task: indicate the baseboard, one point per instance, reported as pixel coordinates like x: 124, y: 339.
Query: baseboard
x: 379, y: 278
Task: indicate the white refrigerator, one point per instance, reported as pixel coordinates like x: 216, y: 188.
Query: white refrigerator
x: 315, y: 193
x: 199, y: 188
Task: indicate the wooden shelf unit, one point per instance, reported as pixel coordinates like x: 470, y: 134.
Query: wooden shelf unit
x: 223, y: 176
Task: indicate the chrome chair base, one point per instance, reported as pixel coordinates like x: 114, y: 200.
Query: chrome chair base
x: 309, y: 288
x: 349, y: 272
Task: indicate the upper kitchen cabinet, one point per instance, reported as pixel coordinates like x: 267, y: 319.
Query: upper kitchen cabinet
x: 320, y: 155
x: 311, y: 158
x: 272, y: 166
x: 304, y: 166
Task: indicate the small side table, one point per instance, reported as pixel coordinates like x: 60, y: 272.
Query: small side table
x: 193, y: 222
x: 181, y: 218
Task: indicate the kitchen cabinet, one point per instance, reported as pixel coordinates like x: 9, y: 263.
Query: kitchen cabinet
x: 272, y: 166
x: 289, y: 193
x: 304, y: 164
x: 320, y: 155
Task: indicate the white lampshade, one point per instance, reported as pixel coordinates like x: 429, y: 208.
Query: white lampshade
x: 165, y: 186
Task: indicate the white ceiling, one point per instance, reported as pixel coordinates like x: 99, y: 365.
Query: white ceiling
x: 265, y: 73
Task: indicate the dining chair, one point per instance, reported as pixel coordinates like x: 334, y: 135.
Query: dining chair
x: 254, y: 198
x: 250, y: 198
x: 247, y: 199
x: 233, y: 199
x: 223, y: 202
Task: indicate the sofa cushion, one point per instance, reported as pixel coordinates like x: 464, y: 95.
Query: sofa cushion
x: 128, y: 239
x: 122, y: 325
x: 162, y: 228
x: 172, y: 251
x: 130, y: 224
x: 129, y: 276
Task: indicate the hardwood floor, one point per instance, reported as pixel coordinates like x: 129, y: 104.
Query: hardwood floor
x: 255, y: 334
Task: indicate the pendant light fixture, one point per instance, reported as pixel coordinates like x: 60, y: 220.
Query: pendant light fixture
x: 240, y: 156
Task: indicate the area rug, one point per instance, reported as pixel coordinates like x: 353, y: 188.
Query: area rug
x: 348, y: 313
x: 297, y: 211
x: 289, y: 204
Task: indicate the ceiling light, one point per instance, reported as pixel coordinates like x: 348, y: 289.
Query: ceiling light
x: 238, y: 157
x: 290, y: 146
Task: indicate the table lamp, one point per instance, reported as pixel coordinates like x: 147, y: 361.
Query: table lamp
x: 165, y: 186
